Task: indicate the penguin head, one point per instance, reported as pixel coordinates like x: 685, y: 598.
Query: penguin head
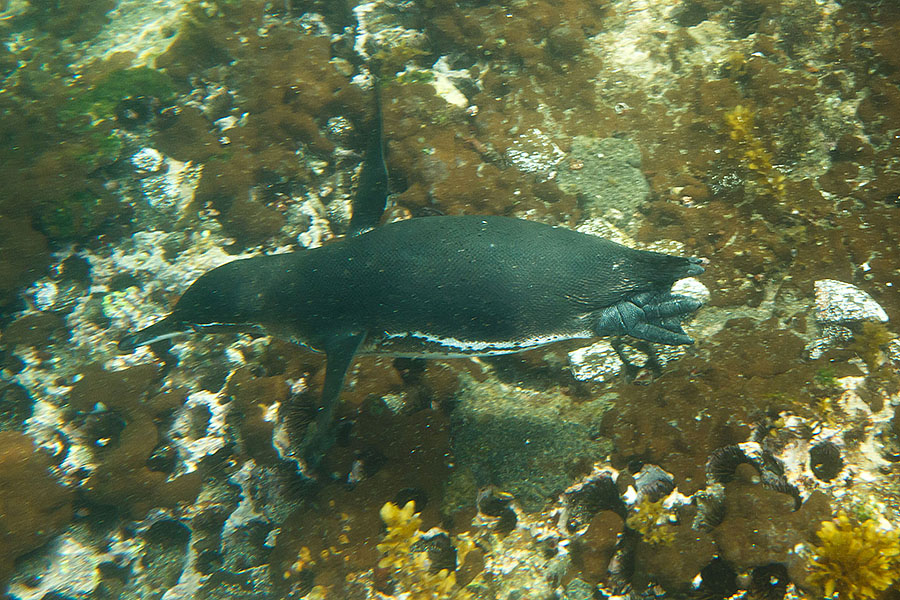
x: 227, y: 298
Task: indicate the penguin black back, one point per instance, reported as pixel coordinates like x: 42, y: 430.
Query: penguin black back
x: 434, y: 286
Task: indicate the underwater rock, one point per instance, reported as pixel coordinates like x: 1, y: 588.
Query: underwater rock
x: 78, y: 19
x: 768, y: 582
x: 838, y: 306
x: 894, y: 350
x: 717, y: 579
x: 593, y: 551
x: 598, y: 362
x: 653, y: 484
x: 534, y: 152
x: 608, y: 177
x: 121, y: 476
x: 35, y: 330
x: 67, y: 568
x: 15, y: 406
x: 244, y: 545
x: 586, y: 498
x: 165, y: 553
x: 724, y: 465
x: 384, y: 30
x: 692, y: 288
x: 494, y: 503
x: 147, y: 161
x: 440, y: 549
x: 515, y: 439
x: 578, y: 589
x: 674, y: 564
x: 839, y: 302
x: 136, y: 111
x: 252, y: 584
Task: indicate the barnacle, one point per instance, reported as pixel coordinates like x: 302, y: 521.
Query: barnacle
x: 586, y: 499
x: 742, y: 130
x: 495, y: 503
x: 412, y: 568
x: 723, y: 462
x: 651, y: 520
x: 768, y: 582
x: 653, y: 483
x: 857, y: 561
x: 825, y: 460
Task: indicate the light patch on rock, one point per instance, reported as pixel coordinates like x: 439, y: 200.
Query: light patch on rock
x: 142, y: 29
x: 192, y: 449
x: 534, y: 152
x: 71, y: 571
x: 444, y: 86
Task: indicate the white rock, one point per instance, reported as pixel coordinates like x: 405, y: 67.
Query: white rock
x: 839, y: 302
x: 692, y: 288
x: 148, y: 160
x: 597, y: 362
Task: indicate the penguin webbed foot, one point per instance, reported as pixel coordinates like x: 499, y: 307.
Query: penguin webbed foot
x: 319, y: 438
x: 652, y: 316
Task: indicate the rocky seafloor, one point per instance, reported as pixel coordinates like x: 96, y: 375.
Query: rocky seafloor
x: 145, y: 142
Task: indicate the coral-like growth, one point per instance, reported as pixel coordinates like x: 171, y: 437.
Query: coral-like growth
x: 742, y: 130
x: 651, y: 520
x: 855, y: 560
x: 411, y: 570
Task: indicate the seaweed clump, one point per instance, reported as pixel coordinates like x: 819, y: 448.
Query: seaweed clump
x: 33, y: 505
x: 119, y: 420
x: 412, y: 571
x: 25, y: 255
x: 651, y: 520
x: 752, y: 152
x: 858, y: 561
x: 77, y: 20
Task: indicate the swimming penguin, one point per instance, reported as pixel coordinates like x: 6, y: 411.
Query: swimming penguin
x: 439, y: 286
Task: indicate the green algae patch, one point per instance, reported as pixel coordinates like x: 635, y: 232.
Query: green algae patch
x: 61, y: 150
x: 101, y: 100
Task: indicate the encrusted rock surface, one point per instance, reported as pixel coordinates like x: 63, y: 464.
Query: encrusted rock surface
x: 147, y: 142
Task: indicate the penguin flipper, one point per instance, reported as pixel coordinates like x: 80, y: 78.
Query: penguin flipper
x: 372, y: 191
x: 319, y: 437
